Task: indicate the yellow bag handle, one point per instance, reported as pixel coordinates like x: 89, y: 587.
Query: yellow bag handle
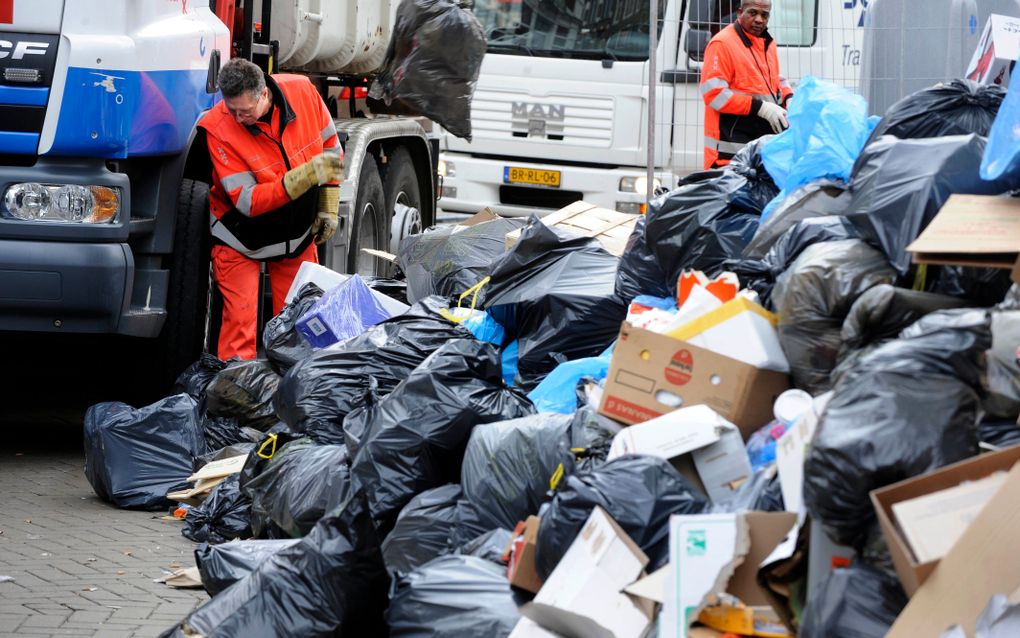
x: 271, y: 439
x: 477, y: 288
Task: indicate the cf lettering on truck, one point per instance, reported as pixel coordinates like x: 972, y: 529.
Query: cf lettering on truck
x: 561, y: 109
x: 104, y: 175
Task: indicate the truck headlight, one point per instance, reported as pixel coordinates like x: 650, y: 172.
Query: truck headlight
x: 446, y: 169
x: 638, y: 184
x: 62, y: 203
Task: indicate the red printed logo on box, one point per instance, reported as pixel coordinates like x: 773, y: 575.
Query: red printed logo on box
x: 680, y: 368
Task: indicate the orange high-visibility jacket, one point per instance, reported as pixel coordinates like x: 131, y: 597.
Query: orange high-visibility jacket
x: 740, y: 72
x: 250, y: 210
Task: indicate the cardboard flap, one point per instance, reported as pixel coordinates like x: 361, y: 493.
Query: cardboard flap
x: 972, y: 230
x: 379, y: 254
x: 984, y: 562
x: 651, y: 587
x: 220, y: 468
x: 484, y: 215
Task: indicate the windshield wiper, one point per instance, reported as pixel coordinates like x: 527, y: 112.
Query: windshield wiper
x: 511, y: 47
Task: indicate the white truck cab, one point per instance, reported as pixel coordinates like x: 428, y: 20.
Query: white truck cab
x: 560, y: 113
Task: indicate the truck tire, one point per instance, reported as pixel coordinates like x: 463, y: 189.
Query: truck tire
x: 369, y: 226
x: 184, y: 334
x: 401, y: 182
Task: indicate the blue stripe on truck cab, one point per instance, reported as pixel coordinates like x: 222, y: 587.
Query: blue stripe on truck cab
x: 117, y: 114
x: 24, y: 95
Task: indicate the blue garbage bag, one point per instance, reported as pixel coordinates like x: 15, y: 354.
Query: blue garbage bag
x: 511, y: 353
x: 829, y: 126
x: 558, y: 391
x: 485, y: 328
x: 1002, y: 155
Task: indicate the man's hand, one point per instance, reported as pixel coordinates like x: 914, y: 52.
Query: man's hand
x: 323, y: 168
x: 775, y: 115
x: 325, y: 224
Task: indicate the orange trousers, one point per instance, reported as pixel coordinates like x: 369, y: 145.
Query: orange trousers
x: 237, y: 278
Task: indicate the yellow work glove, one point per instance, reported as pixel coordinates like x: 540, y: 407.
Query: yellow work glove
x: 323, y: 168
x: 324, y: 226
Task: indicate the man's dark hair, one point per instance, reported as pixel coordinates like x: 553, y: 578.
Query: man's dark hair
x: 239, y: 76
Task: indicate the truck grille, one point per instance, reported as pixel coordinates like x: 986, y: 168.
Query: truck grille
x: 577, y: 121
x: 537, y: 197
x: 26, y: 73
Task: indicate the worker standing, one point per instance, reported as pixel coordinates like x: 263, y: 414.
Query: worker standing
x: 276, y: 163
x: 745, y: 96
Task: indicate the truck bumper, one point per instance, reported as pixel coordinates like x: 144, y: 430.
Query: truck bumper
x: 478, y: 183
x: 68, y: 287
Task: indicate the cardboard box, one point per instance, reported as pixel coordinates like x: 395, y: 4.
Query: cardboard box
x: 704, y: 551
x: 583, y: 597
x: 612, y: 228
x: 740, y: 329
x: 521, y: 570
x: 715, y: 445
x: 971, y: 230
x: 912, y: 573
x: 767, y: 530
x: 652, y: 374
x: 997, y: 51
x: 984, y: 562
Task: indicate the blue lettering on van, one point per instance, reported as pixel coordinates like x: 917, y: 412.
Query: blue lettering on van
x: 850, y: 5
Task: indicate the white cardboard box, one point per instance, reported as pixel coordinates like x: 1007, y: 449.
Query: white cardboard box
x: 327, y: 279
x: 583, y: 597
x: 715, y: 445
x: 704, y: 551
x: 997, y: 51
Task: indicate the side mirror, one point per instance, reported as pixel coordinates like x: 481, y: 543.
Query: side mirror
x: 695, y: 43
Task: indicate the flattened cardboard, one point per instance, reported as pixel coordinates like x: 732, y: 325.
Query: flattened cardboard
x: 649, y: 368
x: 612, y: 228
x: 972, y: 230
x: 219, y: 469
x: 912, y: 573
x: 984, y: 562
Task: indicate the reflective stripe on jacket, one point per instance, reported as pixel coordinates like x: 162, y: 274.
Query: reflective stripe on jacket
x: 739, y: 73
x: 249, y: 208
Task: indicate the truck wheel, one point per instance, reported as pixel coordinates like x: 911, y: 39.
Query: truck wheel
x: 184, y: 333
x: 368, y: 227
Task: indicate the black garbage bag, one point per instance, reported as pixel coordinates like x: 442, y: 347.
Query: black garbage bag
x: 982, y: 287
x: 415, y: 438
x: 433, y: 62
x: 907, y: 408
x: 197, y: 377
x: 332, y: 582
x: 812, y: 299
x: 284, y: 345
x: 638, y: 492
x: 319, y: 392
x: 298, y: 486
x: 820, y: 198
x: 427, y: 528
x: 133, y: 457
x: 223, y: 565
x: 999, y: 432
x: 453, y: 596
x: 508, y: 466
x: 639, y: 273
x: 760, y: 189
x: 450, y: 259
x: 699, y: 226
x: 957, y: 107
x: 222, y: 431
x: 489, y: 546
x: 1003, y: 396
x: 244, y: 390
x: 898, y: 186
x: 859, y: 601
x: 555, y: 294
x: 393, y: 288
x: 237, y: 449
x: 223, y: 516
x: 879, y: 315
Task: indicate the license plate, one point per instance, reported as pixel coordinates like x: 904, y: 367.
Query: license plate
x: 517, y: 175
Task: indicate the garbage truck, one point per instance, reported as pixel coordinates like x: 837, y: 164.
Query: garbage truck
x: 104, y: 179
x: 561, y: 109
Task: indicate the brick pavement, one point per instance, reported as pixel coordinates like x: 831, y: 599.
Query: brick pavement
x: 81, y: 567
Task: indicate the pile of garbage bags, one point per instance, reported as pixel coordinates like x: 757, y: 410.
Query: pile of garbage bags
x: 556, y: 417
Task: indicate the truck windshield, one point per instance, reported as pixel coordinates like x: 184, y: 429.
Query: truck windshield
x: 585, y: 29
